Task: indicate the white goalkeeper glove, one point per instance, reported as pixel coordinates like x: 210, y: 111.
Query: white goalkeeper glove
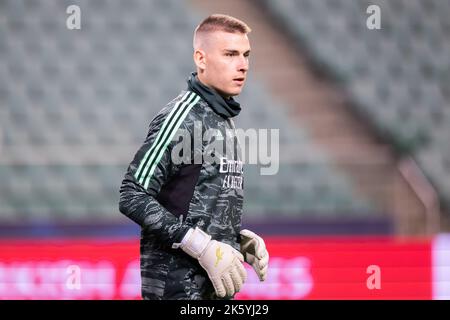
x: 221, y: 261
x: 255, y: 253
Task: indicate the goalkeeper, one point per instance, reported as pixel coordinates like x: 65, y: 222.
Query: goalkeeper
x: 192, y: 245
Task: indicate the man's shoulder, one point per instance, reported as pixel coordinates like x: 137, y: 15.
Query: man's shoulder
x: 184, y: 108
x: 185, y: 102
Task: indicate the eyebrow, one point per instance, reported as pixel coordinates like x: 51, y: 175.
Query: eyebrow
x: 235, y: 51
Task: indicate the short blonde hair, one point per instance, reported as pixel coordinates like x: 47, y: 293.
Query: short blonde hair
x: 221, y: 22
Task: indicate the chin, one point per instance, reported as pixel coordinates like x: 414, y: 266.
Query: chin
x: 235, y: 92
x: 229, y: 92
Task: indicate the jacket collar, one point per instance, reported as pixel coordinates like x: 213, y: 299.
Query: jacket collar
x: 227, y: 108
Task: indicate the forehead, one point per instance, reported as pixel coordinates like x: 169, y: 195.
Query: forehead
x: 221, y: 40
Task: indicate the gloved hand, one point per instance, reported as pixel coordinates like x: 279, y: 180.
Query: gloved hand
x: 255, y: 253
x: 222, y: 262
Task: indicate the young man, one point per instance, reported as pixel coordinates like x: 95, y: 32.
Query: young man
x: 192, y: 245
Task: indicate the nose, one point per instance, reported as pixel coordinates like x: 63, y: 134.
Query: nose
x: 243, y: 64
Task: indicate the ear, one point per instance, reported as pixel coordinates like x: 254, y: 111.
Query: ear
x: 200, y: 59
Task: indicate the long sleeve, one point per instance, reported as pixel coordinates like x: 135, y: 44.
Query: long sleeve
x: 150, y: 169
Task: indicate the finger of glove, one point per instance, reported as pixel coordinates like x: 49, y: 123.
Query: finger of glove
x: 237, y: 279
x: 219, y: 287
x: 262, y: 274
x: 262, y: 266
x: 228, y: 284
x: 238, y: 255
x: 255, y: 262
x: 241, y: 271
x: 260, y: 248
x: 257, y: 269
x: 264, y: 261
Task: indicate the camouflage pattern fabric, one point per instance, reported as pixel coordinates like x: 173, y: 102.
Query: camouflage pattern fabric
x: 210, y: 186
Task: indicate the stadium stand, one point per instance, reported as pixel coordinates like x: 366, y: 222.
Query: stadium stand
x: 76, y: 105
x: 397, y: 77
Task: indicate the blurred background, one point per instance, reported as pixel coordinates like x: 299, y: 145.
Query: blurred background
x: 364, y: 120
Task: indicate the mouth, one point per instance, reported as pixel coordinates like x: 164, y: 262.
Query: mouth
x: 239, y: 81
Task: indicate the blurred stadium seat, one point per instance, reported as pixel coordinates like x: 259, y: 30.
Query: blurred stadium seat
x: 398, y: 77
x: 76, y: 104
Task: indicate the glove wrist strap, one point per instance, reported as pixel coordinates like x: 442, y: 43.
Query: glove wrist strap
x: 195, y: 242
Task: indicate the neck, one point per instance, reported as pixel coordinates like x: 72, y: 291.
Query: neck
x: 201, y: 77
x: 224, y: 107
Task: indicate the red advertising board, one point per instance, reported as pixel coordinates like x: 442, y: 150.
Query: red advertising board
x: 354, y: 268
x: 69, y: 269
x: 300, y: 268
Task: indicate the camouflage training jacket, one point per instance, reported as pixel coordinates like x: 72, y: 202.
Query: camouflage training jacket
x: 187, y: 173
